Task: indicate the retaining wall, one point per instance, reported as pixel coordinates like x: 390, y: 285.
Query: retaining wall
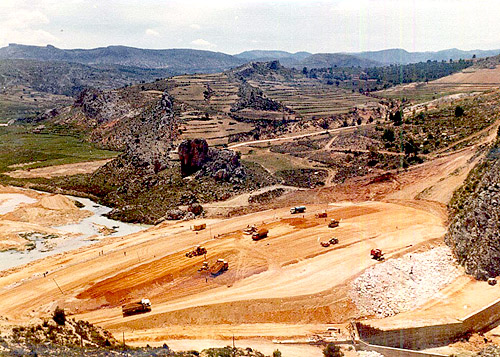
x: 431, y: 335
x: 394, y: 352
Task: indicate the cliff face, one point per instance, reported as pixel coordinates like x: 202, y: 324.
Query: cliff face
x: 474, y: 232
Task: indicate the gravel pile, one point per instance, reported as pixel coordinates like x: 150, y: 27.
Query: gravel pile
x: 402, y: 284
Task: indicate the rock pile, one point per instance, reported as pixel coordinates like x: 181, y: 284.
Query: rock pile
x: 402, y: 284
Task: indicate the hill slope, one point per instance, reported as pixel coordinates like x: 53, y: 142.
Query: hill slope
x: 177, y: 60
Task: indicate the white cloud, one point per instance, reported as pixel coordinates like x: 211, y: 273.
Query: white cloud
x: 203, y: 43
x: 24, y: 24
x: 151, y: 32
x: 195, y: 26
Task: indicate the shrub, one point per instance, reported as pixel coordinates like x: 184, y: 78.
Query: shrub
x: 59, y: 316
x: 332, y: 350
x: 459, y: 111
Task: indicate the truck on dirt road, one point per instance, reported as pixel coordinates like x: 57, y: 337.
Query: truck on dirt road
x: 261, y: 233
x: 199, y: 227
x: 197, y: 251
x: 298, y: 209
x: 219, y: 267
x: 138, y: 307
x: 332, y: 241
x: 333, y: 223
x: 321, y: 215
x: 377, y: 254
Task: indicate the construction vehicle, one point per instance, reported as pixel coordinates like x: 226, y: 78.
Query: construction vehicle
x: 332, y: 241
x: 250, y: 230
x: 377, y: 254
x: 261, y: 233
x: 321, y: 215
x: 199, y: 227
x: 197, y: 251
x: 204, y: 267
x: 138, y: 307
x: 219, y: 267
x: 298, y: 209
x: 333, y: 223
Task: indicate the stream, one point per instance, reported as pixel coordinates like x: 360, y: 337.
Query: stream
x: 86, y: 228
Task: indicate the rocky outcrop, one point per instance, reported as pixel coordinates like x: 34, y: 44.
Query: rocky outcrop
x: 223, y: 165
x: 192, y: 155
x: 101, y: 106
x: 474, y: 231
x: 149, y: 144
x: 251, y: 97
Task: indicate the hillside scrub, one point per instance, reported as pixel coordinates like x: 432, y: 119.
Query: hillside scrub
x: 474, y: 218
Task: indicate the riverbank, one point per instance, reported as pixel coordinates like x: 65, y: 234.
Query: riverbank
x: 35, y: 225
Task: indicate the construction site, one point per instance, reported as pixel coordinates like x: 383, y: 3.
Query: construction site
x: 360, y: 263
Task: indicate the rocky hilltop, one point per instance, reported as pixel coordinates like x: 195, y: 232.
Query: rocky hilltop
x: 143, y: 189
x: 474, y: 232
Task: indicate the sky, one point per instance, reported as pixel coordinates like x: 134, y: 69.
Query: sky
x: 233, y: 26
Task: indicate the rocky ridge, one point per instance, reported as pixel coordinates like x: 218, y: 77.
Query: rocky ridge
x: 474, y: 229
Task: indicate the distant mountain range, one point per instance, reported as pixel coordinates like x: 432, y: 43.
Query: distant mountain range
x: 400, y: 56
x: 362, y: 59
x: 178, y: 61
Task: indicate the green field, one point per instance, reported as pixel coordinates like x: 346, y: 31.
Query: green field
x: 19, y: 146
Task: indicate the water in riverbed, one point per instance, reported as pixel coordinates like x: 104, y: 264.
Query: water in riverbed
x: 88, y: 227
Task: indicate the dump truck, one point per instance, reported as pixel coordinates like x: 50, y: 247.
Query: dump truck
x: 333, y: 223
x: 219, y: 267
x: 197, y: 251
x: 298, y: 209
x: 377, y: 254
x: 332, y: 241
x: 138, y: 307
x: 199, y: 227
x: 261, y: 233
x: 321, y: 215
x: 250, y: 230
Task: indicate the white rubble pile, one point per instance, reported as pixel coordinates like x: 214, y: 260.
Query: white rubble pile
x: 405, y: 283
x: 369, y: 354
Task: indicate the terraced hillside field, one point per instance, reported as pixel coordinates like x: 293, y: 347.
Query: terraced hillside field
x: 207, y: 102
x: 472, y: 79
x: 311, y: 99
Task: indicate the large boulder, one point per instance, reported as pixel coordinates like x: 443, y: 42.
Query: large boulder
x: 192, y: 155
x: 197, y: 157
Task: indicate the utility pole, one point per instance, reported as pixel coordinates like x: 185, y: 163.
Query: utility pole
x: 58, y: 286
